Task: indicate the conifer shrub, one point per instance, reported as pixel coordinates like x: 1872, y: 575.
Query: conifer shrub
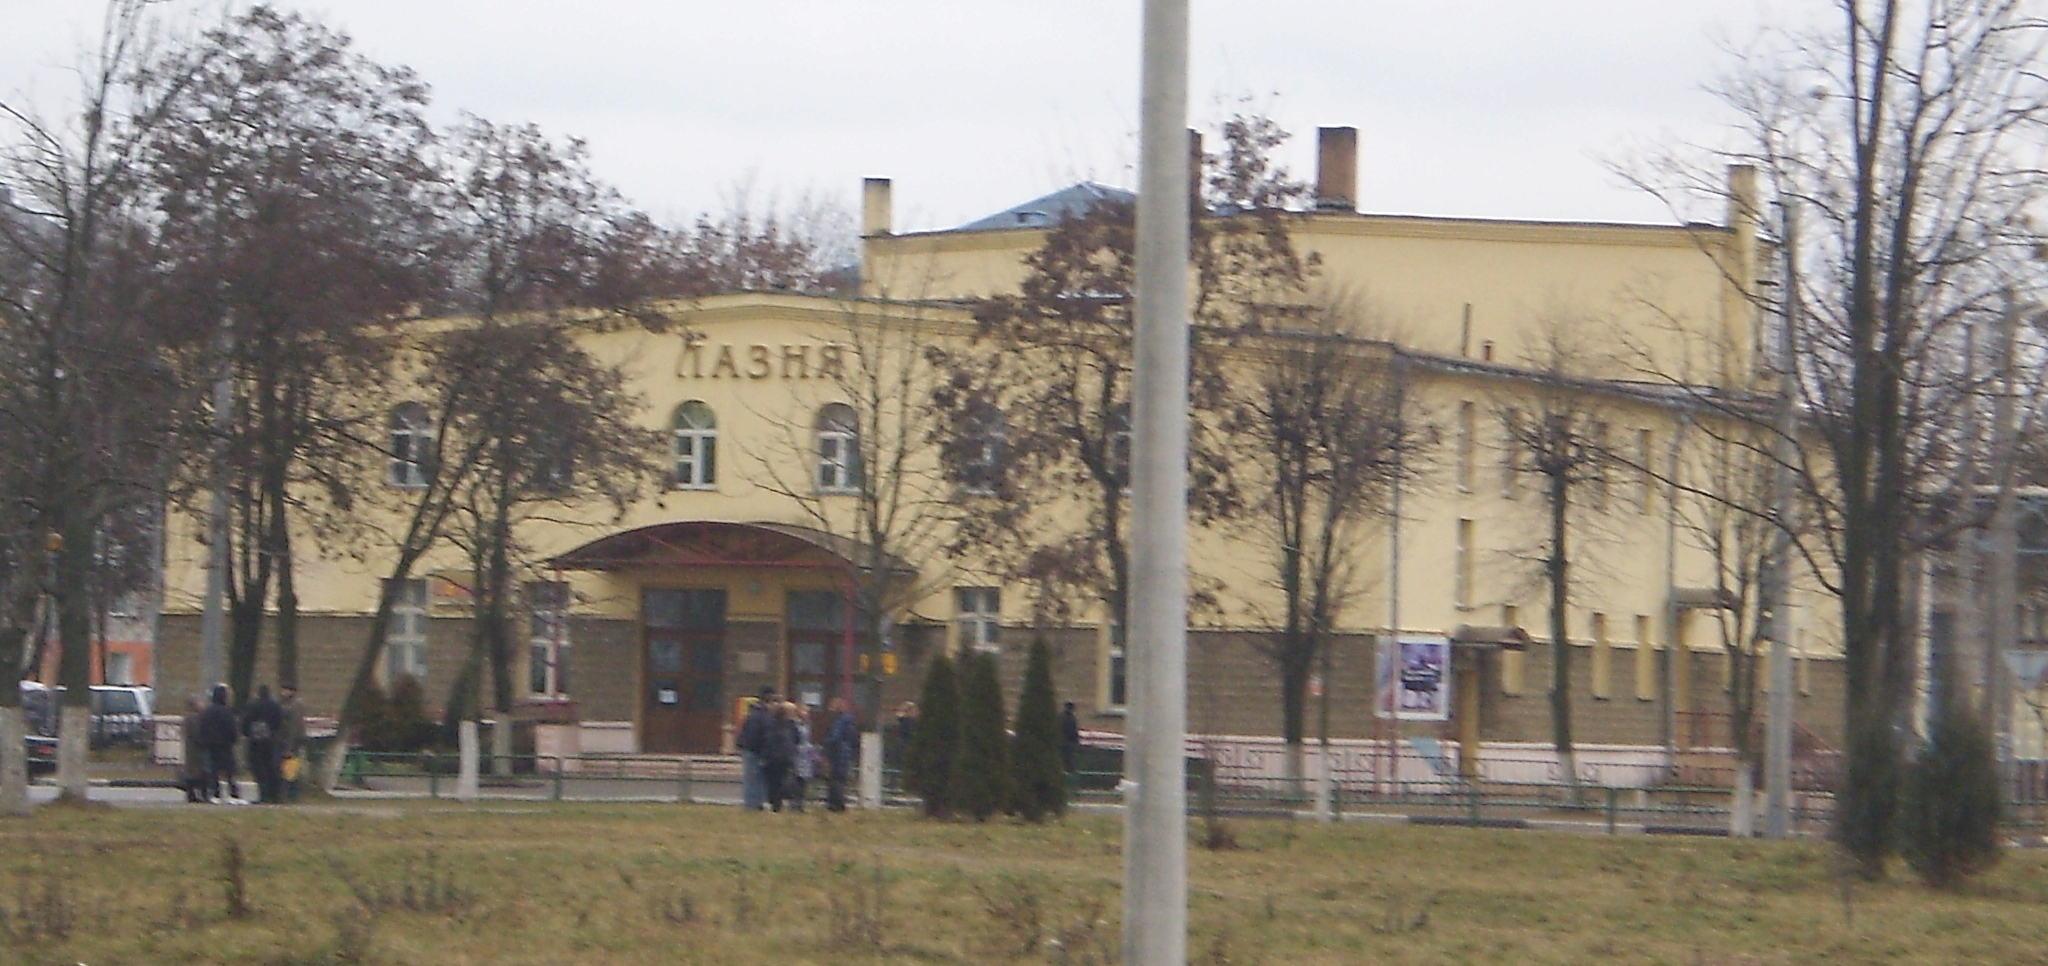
x: 981, y: 772
x: 397, y: 722
x: 1038, y: 780
x: 1948, y: 822
x: 928, y: 762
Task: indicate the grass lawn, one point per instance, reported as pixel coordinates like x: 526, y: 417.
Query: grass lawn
x: 415, y: 883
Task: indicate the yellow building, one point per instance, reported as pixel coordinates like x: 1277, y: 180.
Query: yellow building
x: 650, y: 626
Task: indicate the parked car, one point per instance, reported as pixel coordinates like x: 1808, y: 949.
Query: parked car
x: 121, y: 714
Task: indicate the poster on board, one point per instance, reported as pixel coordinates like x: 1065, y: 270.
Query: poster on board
x: 1415, y: 678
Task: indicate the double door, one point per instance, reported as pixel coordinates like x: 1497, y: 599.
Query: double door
x: 683, y: 675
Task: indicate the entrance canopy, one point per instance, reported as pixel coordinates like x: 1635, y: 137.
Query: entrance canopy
x: 711, y: 543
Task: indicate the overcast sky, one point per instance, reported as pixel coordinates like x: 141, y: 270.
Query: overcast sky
x: 1487, y: 108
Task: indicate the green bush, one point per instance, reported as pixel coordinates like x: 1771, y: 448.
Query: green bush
x: 928, y: 762
x: 981, y: 773
x: 1038, y: 780
x: 1948, y: 821
x: 397, y: 722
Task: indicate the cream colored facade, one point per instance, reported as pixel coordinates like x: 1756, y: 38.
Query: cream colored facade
x: 1465, y: 301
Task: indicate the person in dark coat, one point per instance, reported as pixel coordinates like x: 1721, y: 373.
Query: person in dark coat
x: 194, y: 771
x: 842, y: 745
x: 263, y: 725
x: 752, y: 739
x: 218, y: 732
x: 778, y: 756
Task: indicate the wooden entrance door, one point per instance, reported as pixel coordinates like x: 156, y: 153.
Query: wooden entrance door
x: 683, y: 692
x: 816, y: 624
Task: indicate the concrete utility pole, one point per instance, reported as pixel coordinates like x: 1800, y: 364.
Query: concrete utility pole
x: 1777, y: 588
x: 212, y: 616
x: 1155, y: 808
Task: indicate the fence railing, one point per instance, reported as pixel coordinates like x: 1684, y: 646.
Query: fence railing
x: 551, y: 777
x: 1676, y: 806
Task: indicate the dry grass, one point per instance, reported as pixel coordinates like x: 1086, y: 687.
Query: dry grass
x: 419, y: 884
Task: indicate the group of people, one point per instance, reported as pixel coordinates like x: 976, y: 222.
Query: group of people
x: 271, y: 733
x: 779, y: 760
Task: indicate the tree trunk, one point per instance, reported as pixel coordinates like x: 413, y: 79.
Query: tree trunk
x: 1560, y: 638
x: 13, y: 724
x: 497, y: 647
x: 74, y: 663
x: 1294, y: 675
x: 287, y: 596
x: 13, y: 759
x: 366, y: 671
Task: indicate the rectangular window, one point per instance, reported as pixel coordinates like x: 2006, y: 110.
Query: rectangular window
x: 547, y: 608
x: 838, y: 463
x: 408, y: 456
x: 1804, y: 672
x: 1468, y: 417
x: 1645, y: 479
x: 1461, y: 562
x: 978, y: 618
x: 1512, y: 663
x: 120, y: 668
x: 1646, y: 660
x: 1115, y: 676
x: 696, y: 459
x: 1603, y: 659
x: 405, y: 637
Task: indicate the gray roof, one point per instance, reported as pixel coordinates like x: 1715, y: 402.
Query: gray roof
x: 1068, y: 202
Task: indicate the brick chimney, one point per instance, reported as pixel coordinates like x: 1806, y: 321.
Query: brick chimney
x: 1336, y: 169
x: 875, y: 207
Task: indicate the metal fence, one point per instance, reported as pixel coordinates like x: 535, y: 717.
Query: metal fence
x: 1671, y: 806
x: 595, y: 777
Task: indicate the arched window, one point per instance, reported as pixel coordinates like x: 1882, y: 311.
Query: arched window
x: 696, y: 447
x: 838, y: 450
x: 412, y: 445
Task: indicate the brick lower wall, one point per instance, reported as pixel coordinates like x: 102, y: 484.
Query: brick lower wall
x: 1232, y: 685
x: 1622, y: 718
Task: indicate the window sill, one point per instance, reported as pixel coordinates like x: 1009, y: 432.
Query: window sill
x: 1111, y: 713
x: 695, y: 487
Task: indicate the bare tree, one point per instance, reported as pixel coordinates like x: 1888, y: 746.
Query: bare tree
x: 290, y: 193
x: 1053, y: 363
x: 1911, y: 134
x: 442, y: 443
x: 1324, y: 409
x: 88, y: 394
x: 1555, y: 432
x: 870, y: 461
x: 556, y: 432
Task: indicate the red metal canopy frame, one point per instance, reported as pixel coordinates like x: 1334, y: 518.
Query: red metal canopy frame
x: 713, y: 543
